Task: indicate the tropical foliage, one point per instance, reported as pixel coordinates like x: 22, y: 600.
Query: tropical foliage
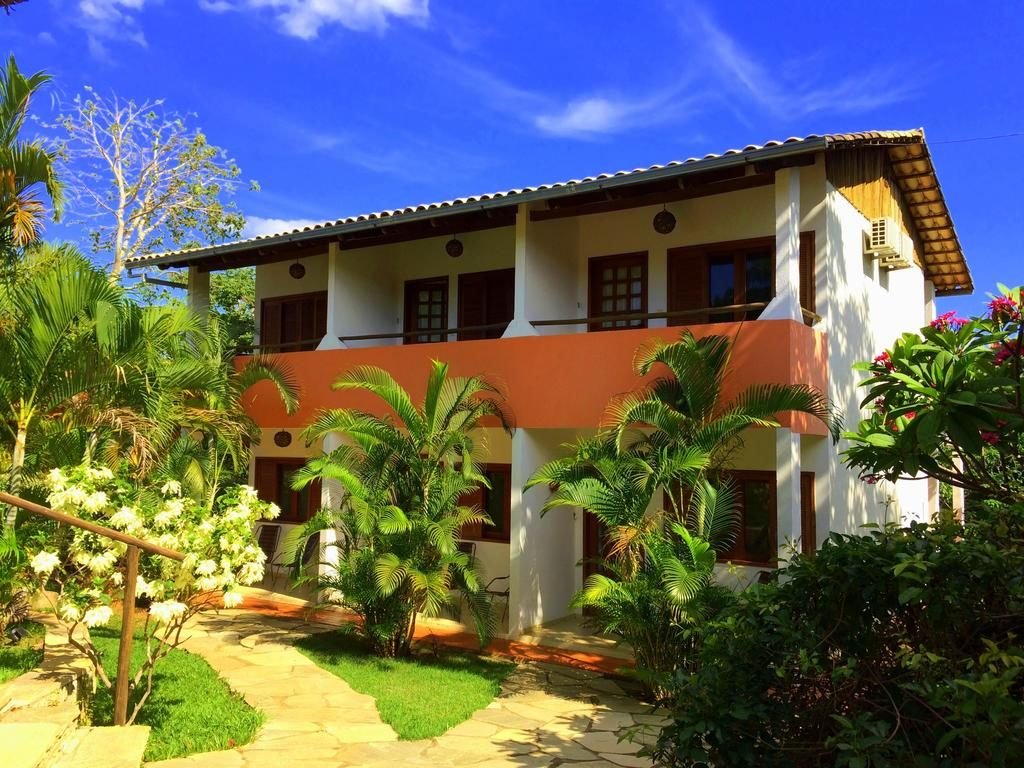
x: 948, y: 402
x: 901, y: 647
x: 897, y: 648
x: 404, y: 477
x: 27, y: 167
x: 82, y: 570
x: 653, y: 478
x: 89, y: 371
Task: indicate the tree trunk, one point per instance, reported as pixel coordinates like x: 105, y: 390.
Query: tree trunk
x: 14, y: 483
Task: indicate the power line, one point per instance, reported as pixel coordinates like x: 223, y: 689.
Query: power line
x: 981, y: 138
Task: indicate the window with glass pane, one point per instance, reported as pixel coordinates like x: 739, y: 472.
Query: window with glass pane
x: 721, y: 281
x: 426, y: 309
x: 618, y: 286
x: 497, y: 503
x: 757, y: 280
x: 755, y: 539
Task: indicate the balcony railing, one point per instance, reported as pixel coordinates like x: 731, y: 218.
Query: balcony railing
x: 810, y: 318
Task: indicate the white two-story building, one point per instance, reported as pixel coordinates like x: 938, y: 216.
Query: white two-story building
x: 810, y: 253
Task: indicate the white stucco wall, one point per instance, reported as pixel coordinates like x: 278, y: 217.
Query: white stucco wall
x: 865, y: 311
x: 273, y: 280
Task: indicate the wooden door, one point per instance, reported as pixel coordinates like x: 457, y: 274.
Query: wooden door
x: 426, y: 309
x: 486, y: 298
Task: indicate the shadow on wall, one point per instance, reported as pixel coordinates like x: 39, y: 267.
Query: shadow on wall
x: 865, y: 314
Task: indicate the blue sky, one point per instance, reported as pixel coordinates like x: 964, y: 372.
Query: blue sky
x: 344, y: 106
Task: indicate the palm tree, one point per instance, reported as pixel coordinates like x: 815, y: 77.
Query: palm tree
x: 404, y: 477
x: 55, y: 325
x: 683, y: 408
x: 87, y: 371
x: 24, y: 165
x: 652, y: 478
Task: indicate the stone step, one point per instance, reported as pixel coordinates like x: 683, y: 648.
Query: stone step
x: 104, y: 747
x: 28, y: 745
x: 32, y: 737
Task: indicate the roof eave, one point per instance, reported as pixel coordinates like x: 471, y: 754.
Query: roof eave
x: 805, y: 146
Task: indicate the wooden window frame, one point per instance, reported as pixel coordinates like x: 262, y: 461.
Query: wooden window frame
x: 411, y: 287
x: 738, y: 553
x: 808, y: 515
x: 597, y: 263
x: 464, y: 277
x: 283, y: 346
x: 694, y: 260
x: 479, y: 532
x: 313, y: 503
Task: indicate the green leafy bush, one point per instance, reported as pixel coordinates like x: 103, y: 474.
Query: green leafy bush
x: 900, y: 648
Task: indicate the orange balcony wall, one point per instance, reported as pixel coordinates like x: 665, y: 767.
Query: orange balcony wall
x: 555, y: 382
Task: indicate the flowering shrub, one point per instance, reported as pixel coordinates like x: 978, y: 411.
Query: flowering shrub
x: 948, y: 402
x: 85, y: 571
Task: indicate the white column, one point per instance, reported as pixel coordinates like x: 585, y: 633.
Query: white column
x: 542, y: 562
x: 330, y: 498
x: 199, y: 291
x: 520, y: 325
x: 929, y: 301
x: 787, y: 478
x: 334, y: 288
x: 786, y: 304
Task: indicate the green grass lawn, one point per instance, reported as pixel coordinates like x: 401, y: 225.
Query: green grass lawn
x: 190, y: 710
x: 419, y: 698
x: 17, y: 659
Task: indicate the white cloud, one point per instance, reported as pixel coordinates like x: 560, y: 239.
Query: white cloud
x: 597, y: 115
x: 256, y: 226
x: 109, y: 20
x: 784, y: 91
x: 46, y: 38
x: 305, y: 18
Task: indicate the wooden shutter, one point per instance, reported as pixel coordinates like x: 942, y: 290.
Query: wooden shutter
x: 808, y: 515
x: 687, y: 284
x: 500, y: 294
x: 474, y: 498
x: 472, y: 304
x: 808, y: 273
x: 266, y: 480
x: 485, y: 298
x: 270, y: 324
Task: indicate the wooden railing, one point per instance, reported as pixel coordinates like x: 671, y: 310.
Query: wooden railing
x: 427, y: 332
x: 809, y: 317
x: 135, y: 545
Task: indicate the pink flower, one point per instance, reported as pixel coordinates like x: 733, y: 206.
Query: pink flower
x: 1004, y: 309
x: 990, y: 437
x: 884, y: 359
x: 871, y: 479
x: 948, y: 321
x: 1005, y: 351
x: 880, y: 405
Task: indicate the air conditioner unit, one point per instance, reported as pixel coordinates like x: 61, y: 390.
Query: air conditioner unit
x: 885, y: 238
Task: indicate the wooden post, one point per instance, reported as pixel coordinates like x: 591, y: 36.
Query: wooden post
x: 124, y: 651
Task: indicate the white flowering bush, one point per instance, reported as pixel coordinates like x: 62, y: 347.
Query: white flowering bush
x: 83, y: 572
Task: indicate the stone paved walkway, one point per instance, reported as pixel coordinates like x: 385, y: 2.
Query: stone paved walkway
x: 545, y: 716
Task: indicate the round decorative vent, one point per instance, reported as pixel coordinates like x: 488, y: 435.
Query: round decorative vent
x: 282, y: 439
x: 297, y: 271
x: 664, y: 222
x: 454, y: 248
